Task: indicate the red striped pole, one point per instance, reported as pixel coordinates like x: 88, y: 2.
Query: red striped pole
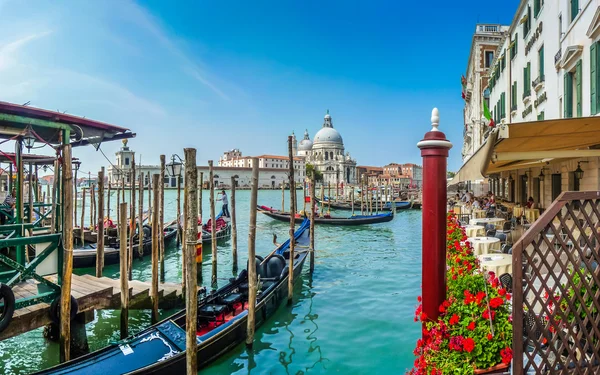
x: 434, y: 151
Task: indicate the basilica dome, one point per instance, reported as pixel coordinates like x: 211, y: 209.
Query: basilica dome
x: 328, y: 134
x: 305, y: 144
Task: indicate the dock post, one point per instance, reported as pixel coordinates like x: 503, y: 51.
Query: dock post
x: 312, y: 224
x: 54, y: 195
x: 100, y: 231
x: 213, y: 225
x: 131, y: 223
x: 252, y: 257
x: 283, y: 196
x: 162, y: 176
x: 161, y: 217
x: 292, y: 223
x: 156, y: 229
x: 65, y: 289
x: 118, y: 204
x: 123, y: 271
x: 377, y: 198
x: 74, y: 200
x: 184, y: 269
x: 200, y: 190
x: 191, y: 238
x: 92, y: 207
x: 352, y: 200
x: 233, y: 227
x: 322, y: 198
x: 108, y: 201
x: 434, y: 151
x: 141, y: 217
x: 304, y: 196
x: 178, y: 210
x: 329, y: 198
x: 82, y: 216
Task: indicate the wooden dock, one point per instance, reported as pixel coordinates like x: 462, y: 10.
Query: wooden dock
x: 92, y: 293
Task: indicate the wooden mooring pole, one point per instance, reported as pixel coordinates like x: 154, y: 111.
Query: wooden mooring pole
x: 191, y: 237
x: 132, y: 214
x: 156, y: 229
x: 292, y: 222
x: 55, y: 184
x: 92, y: 201
x: 312, y: 224
x: 200, y: 190
x: 108, y: 201
x: 233, y: 226
x: 118, y: 189
x: 213, y: 227
x: 352, y: 200
x: 141, y: 217
x: 65, y: 289
x: 82, y: 216
x: 322, y: 198
x: 100, y: 230
x: 178, y: 209
x: 283, y: 196
x: 123, y: 271
x: 161, y: 217
x: 184, y: 269
x: 252, y: 282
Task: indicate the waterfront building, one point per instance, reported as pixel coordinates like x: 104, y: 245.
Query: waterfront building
x: 234, y: 159
x: 543, y: 94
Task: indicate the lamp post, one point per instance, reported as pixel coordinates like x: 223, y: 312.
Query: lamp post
x: 434, y: 151
x: 174, y: 169
x: 28, y: 139
x: 578, y: 172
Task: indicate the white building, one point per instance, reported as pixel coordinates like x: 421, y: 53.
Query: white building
x: 264, y: 162
x: 484, y: 44
x: 234, y: 154
x: 328, y: 155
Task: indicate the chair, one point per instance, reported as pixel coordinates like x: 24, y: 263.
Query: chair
x: 490, y: 214
x: 490, y: 233
x: 507, y: 229
x: 506, y: 281
x: 507, y: 249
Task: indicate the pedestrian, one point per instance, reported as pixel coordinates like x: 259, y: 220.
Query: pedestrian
x: 225, y: 208
x: 8, y: 206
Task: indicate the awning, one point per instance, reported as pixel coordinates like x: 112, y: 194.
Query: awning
x: 533, y: 144
x: 473, y: 168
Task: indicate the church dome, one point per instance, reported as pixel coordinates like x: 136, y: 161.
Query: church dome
x: 305, y: 144
x: 328, y: 134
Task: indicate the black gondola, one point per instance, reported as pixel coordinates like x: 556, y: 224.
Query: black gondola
x: 400, y: 205
x: 222, y: 316
x: 352, y: 220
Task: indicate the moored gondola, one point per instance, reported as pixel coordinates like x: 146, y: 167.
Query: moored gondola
x: 382, y: 206
x: 222, y: 319
x: 352, y: 220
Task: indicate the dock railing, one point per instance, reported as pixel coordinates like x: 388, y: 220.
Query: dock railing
x: 556, y: 294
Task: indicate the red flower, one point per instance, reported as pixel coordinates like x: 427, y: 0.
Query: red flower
x: 508, y: 296
x: 506, y: 355
x: 419, y: 298
x: 486, y: 314
x: 496, y: 302
x: 469, y: 345
x: 455, y: 319
x: 471, y: 326
x: 489, y: 336
x: 502, y: 291
x: 423, y: 316
x: 480, y: 296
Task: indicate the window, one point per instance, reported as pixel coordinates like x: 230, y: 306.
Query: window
x: 540, y: 116
x: 514, y: 46
x: 126, y: 161
x: 527, y: 80
x: 574, y: 9
x: 594, y: 78
x: 556, y: 185
x: 524, y: 181
x: 513, y: 97
x: 572, y: 92
x: 541, y: 63
x: 527, y: 23
x: 502, y: 62
x: 489, y: 57
x: 173, y: 181
x: 536, y: 7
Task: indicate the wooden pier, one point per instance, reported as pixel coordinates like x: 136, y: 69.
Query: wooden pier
x: 91, y: 293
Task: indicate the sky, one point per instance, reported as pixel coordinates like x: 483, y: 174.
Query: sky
x: 217, y: 75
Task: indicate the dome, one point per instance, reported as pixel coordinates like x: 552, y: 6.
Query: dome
x: 305, y: 144
x: 328, y: 135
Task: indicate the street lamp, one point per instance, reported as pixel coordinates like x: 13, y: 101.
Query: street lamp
x: 76, y: 165
x: 28, y: 139
x: 578, y: 172
x: 174, y: 167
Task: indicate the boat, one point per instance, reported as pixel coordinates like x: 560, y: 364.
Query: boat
x: 222, y: 320
x: 400, y: 205
x: 327, y: 219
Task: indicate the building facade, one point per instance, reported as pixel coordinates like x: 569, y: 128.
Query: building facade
x: 327, y: 154
x: 264, y: 162
x: 484, y: 47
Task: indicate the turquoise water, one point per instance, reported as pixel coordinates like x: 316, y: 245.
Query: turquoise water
x: 354, y: 315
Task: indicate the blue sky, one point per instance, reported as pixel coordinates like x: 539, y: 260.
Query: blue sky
x: 217, y: 75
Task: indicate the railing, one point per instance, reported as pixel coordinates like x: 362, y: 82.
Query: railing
x: 538, y: 80
x: 557, y: 56
x: 556, y: 280
x: 513, y: 108
x: 526, y: 94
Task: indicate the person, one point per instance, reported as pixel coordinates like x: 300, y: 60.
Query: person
x: 530, y: 203
x: 492, y: 199
x: 467, y: 197
x: 225, y: 207
x: 476, y: 204
x: 9, y: 205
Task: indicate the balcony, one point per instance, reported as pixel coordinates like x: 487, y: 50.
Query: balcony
x: 513, y: 110
x: 526, y: 96
x: 557, y: 57
x: 538, y: 83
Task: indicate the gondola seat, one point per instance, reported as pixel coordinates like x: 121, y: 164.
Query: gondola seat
x: 212, y: 312
x: 231, y: 299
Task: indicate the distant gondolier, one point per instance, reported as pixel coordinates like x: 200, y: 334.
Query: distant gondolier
x: 225, y: 203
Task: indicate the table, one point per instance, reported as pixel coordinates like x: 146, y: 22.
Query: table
x: 496, y: 263
x: 517, y: 211
x: 457, y: 210
x: 479, y: 214
x: 532, y: 214
x: 483, y: 245
x: 498, y: 222
x: 474, y: 230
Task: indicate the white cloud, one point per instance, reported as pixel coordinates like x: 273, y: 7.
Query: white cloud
x: 9, y: 51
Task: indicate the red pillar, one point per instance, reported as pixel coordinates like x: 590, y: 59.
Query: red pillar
x: 434, y: 151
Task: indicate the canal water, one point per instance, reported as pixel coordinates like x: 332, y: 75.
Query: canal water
x: 354, y: 315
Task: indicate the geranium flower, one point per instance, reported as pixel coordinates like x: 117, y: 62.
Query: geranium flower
x: 454, y: 319
x: 489, y: 336
x: 506, y: 355
x: 496, y: 302
x: 469, y: 345
x: 471, y: 326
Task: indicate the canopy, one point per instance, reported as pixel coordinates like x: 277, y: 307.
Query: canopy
x: 531, y: 144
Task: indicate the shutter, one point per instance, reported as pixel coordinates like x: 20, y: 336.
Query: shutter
x: 565, y: 98
x: 541, y: 61
x: 579, y: 93
x: 528, y: 77
x: 524, y: 81
x: 593, y: 78
x: 568, y: 96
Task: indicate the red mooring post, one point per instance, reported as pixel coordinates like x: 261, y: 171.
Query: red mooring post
x: 434, y: 151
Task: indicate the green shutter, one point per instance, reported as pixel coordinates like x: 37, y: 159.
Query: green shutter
x: 524, y: 81
x: 593, y: 78
x: 516, y: 94
x: 574, y: 9
x: 504, y: 104
x: 579, y: 93
x: 528, y: 78
x: 541, y: 63
x: 536, y: 7
x: 568, y: 96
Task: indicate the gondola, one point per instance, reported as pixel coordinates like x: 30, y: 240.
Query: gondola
x: 400, y: 205
x: 352, y: 220
x: 222, y: 319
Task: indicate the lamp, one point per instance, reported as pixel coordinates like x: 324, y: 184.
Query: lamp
x: 510, y: 177
x: 542, y: 175
x: 174, y: 167
x: 528, y: 173
x: 578, y: 172
x: 45, y: 168
x: 28, y: 139
x: 76, y: 165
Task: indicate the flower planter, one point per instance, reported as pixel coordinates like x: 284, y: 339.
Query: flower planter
x: 494, y: 369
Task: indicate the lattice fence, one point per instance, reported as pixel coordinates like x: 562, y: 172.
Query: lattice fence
x: 556, y: 299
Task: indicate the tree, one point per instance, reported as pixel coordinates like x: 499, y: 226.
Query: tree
x: 311, y: 172
x: 450, y: 174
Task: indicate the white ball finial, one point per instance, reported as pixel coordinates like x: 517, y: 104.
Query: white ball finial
x: 435, y: 120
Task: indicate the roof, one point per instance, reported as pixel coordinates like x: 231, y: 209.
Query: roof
x: 47, y: 124
x: 10, y: 157
x: 277, y: 157
x: 370, y: 168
